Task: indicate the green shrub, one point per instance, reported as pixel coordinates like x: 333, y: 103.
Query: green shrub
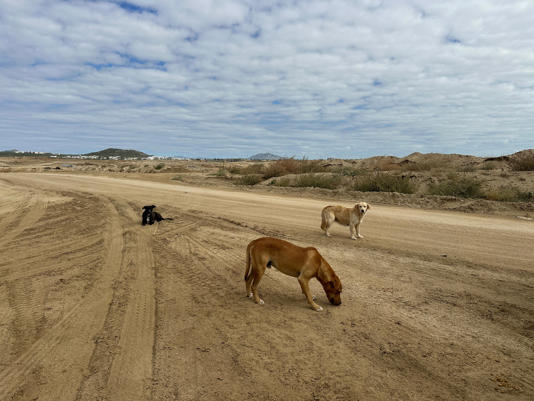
x: 250, y: 179
x: 384, y: 183
x: 509, y: 194
x: 310, y: 181
x: 159, y: 166
x: 317, y: 181
x: 454, y: 185
x: 221, y: 172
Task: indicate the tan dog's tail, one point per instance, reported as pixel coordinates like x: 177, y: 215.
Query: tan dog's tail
x: 249, y: 264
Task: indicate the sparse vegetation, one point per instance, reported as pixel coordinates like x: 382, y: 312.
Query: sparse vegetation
x: 250, y: 179
x: 379, y: 182
x: 349, y: 171
x: 509, y: 194
x: 422, y: 166
x: 522, y: 162
x: 455, y: 185
x: 311, y: 181
x: 159, y: 166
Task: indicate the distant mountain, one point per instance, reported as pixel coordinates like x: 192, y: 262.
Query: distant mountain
x: 121, y: 153
x: 265, y: 156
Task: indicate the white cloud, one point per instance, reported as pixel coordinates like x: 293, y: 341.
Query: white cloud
x: 231, y: 78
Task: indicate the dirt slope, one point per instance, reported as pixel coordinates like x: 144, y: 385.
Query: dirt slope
x: 93, y: 306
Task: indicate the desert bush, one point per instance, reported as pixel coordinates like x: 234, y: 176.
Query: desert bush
x: 318, y: 181
x: 522, y: 162
x: 491, y: 165
x: 177, y: 178
x: 349, y: 171
x: 384, y: 183
x: 282, y: 167
x: 221, y: 172
x: 467, y: 169
x: 509, y: 194
x: 159, y: 166
x: 256, y: 168
x: 310, y: 166
x: 455, y: 185
x: 250, y: 179
x: 310, y: 180
x: 234, y: 169
x: 422, y: 166
x: 281, y: 182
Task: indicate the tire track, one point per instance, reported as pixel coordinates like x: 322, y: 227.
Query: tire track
x: 131, y: 371
x: 25, y: 216
x: 78, y: 325
x: 121, y: 365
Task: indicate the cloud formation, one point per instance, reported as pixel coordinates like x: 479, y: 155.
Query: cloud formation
x: 236, y: 77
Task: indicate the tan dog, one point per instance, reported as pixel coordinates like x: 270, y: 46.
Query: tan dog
x: 351, y: 217
x: 293, y: 260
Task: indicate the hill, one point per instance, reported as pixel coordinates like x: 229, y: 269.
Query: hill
x: 121, y: 153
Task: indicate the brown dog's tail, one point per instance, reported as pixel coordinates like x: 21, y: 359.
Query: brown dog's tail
x: 248, y: 258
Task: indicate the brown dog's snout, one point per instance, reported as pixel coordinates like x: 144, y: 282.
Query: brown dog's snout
x: 335, y: 300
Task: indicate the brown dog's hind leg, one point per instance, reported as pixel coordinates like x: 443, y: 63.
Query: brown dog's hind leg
x: 305, y: 285
x: 258, y: 274
x: 248, y: 283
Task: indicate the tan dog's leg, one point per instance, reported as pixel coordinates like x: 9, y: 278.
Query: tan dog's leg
x: 326, y: 222
x: 351, y: 227
x: 305, y: 285
x: 358, y: 231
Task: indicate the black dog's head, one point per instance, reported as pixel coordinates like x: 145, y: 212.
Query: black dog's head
x: 148, y: 215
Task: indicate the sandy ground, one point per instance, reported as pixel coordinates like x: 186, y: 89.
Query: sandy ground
x: 93, y: 306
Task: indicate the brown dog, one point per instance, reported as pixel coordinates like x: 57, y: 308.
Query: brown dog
x: 351, y: 217
x: 293, y: 260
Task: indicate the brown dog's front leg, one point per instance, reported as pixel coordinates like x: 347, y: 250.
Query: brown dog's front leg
x: 305, y: 285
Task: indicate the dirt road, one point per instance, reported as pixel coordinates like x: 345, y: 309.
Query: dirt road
x: 93, y: 306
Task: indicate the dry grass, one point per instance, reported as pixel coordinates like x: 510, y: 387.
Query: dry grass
x: 509, y: 194
x: 311, y: 181
x: 250, y: 179
x: 379, y: 182
x: 522, y: 162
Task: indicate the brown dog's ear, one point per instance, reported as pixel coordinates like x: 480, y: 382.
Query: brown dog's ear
x: 368, y: 206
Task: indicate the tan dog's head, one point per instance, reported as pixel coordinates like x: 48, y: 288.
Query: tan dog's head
x: 362, y: 207
x: 332, y: 288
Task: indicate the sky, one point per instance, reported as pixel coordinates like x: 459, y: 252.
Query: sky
x: 232, y: 78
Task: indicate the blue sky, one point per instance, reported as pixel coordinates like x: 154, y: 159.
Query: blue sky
x: 206, y: 78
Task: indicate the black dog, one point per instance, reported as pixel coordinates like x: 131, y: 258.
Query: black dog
x: 150, y: 216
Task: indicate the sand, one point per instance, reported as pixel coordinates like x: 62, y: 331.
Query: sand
x: 437, y: 305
